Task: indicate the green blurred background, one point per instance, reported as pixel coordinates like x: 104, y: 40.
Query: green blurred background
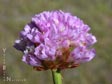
x: 14, y: 14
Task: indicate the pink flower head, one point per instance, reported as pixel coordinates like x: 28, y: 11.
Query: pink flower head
x: 56, y: 39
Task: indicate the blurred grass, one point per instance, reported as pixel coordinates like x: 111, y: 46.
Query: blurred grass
x: 14, y: 14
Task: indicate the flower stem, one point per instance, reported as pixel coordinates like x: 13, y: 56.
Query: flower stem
x: 57, y: 79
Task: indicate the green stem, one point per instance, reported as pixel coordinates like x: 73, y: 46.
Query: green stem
x: 57, y: 79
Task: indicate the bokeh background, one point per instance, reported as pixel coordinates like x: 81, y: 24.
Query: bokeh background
x: 14, y: 14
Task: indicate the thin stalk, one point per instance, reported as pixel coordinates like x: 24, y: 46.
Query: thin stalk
x: 57, y: 79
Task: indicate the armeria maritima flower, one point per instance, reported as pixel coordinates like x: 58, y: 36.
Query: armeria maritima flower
x: 55, y: 40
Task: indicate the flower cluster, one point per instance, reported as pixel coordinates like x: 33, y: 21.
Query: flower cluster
x: 55, y: 40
